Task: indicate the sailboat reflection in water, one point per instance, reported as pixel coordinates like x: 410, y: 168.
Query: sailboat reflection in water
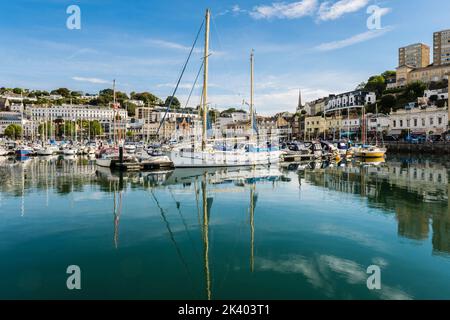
x: 201, y: 179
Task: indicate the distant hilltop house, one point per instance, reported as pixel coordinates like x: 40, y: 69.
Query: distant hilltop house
x: 138, y: 103
x: 14, y: 97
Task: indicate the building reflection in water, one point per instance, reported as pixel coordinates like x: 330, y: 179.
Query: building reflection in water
x: 416, y: 191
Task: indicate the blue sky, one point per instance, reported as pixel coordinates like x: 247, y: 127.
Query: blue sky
x: 320, y: 46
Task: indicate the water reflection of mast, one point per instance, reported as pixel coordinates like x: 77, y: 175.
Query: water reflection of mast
x: 252, y: 227
x: 117, y: 212
x: 206, y: 237
x: 171, y: 235
x: 22, y: 208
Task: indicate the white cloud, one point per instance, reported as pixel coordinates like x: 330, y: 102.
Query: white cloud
x: 328, y: 11
x: 162, y: 44
x: 361, y: 37
x: 91, y: 80
x: 282, y: 10
x: 236, y: 9
x: 168, y: 45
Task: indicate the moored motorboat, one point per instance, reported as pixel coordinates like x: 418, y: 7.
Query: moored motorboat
x: 24, y: 151
x: 370, y: 152
x: 45, y: 151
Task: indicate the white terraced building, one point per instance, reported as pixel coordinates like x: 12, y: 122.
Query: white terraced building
x: 354, y: 99
x: 75, y: 112
x: 104, y: 115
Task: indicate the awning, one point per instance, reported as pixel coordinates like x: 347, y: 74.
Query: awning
x: 395, y: 132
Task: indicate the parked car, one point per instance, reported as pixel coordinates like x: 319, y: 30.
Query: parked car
x: 415, y: 138
x: 435, y: 138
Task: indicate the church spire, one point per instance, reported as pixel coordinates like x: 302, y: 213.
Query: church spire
x: 299, y: 99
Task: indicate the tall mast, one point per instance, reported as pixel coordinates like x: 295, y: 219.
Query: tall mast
x: 205, y: 81
x: 114, y: 108
x: 251, y: 90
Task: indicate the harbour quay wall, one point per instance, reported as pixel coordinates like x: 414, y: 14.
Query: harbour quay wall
x: 419, y: 148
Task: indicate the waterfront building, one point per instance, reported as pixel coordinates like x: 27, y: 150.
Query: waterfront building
x: 110, y: 119
x: 441, y: 47
x: 378, y: 123
x: 7, y: 118
x: 429, y: 120
x: 151, y: 114
x: 314, y: 127
x: 348, y: 100
x: 316, y: 107
x: 75, y: 112
x: 415, y: 55
x: 333, y: 125
x: 151, y: 117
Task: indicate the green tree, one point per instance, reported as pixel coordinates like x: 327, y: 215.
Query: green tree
x: 106, y: 96
x: 175, y: 103
x: 17, y: 90
x: 388, y: 102
x: 13, y: 131
x: 389, y: 75
x: 147, y: 97
x: 62, y: 91
x: 95, y: 128
x: 376, y: 84
x: 414, y: 90
x: 131, y: 108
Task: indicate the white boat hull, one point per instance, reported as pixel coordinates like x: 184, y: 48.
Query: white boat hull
x: 216, y: 159
x: 70, y: 152
x: 103, y: 163
x: 44, y: 152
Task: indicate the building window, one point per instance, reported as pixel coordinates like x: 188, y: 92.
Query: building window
x: 401, y: 123
x: 423, y: 122
x: 415, y: 122
x: 407, y: 123
x: 395, y: 123
x: 439, y: 120
x: 431, y: 121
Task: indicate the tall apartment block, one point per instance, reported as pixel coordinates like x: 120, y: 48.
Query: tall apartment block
x: 441, y: 42
x: 415, y: 55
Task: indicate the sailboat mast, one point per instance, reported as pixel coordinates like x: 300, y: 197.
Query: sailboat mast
x: 114, y: 108
x: 205, y: 81
x: 251, y: 89
x: 376, y: 123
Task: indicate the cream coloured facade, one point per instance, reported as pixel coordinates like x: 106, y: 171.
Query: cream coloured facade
x: 314, y: 127
x: 431, y: 120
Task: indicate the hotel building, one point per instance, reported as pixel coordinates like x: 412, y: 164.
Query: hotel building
x: 441, y: 47
x: 415, y: 55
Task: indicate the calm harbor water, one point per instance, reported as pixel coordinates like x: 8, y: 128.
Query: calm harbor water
x: 306, y: 232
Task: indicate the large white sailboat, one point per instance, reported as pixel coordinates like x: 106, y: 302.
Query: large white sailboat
x: 246, y: 151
